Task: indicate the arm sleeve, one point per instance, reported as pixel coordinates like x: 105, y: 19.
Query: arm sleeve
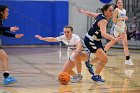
x: 8, y: 34
x: 4, y: 28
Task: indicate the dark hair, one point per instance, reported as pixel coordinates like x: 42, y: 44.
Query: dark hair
x: 2, y: 9
x: 71, y: 28
x: 116, y: 5
x: 105, y: 7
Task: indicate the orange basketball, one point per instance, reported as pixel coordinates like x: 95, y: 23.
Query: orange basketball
x: 64, y: 78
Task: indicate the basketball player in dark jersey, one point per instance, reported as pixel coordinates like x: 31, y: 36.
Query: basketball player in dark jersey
x: 4, y: 11
x: 93, y: 37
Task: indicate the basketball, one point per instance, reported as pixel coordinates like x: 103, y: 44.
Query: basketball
x: 64, y: 78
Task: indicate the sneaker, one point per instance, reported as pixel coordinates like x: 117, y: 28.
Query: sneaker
x: 97, y: 78
x: 129, y: 62
x: 89, y: 66
x: 9, y: 80
x: 79, y: 77
x: 75, y: 79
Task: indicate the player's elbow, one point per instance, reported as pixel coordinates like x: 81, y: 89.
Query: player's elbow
x: 103, y: 34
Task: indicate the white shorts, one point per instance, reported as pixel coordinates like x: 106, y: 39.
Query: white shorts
x: 118, y: 31
x: 72, y: 56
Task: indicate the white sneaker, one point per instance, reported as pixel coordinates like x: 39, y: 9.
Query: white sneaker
x: 79, y: 76
x: 75, y: 79
x: 129, y: 62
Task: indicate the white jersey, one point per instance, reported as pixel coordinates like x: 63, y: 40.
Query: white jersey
x: 121, y: 14
x: 70, y: 43
x: 119, y: 26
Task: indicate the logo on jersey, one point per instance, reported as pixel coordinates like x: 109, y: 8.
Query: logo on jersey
x: 72, y: 47
x: 97, y: 32
x: 123, y: 14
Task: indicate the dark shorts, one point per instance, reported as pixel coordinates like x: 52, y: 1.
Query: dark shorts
x: 93, y: 45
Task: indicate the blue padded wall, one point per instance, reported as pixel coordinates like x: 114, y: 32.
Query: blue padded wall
x: 46, y: 18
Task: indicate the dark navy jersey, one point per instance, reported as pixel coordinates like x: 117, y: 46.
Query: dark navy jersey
x: 3, y: 30
x: 95, y: 30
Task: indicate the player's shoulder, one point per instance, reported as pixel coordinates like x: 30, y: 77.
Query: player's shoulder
x: 61, y: 37
x: 116, y: 9
x: 124, y: 10
x: 75, y: 36
x: 101, y: 16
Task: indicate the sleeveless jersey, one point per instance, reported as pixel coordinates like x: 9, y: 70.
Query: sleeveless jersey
x: 94, y: 31
x: 121, y: 14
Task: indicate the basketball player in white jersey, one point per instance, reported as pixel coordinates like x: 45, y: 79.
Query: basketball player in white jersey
x: 77, y: 52
x: 119, y: 28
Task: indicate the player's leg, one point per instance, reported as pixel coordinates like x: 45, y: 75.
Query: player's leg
x: 100, y: 54
x: 77, y: 57
x: 90, y: 46
x: 94, y: 60
x: 4, y: 59
x: 126, y: 50
x: 83, y: 56
x: 68, y: 66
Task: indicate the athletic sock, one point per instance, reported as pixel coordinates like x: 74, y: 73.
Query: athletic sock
x: 79, y: 74
x: 127, y: 57
x: 5, y: 74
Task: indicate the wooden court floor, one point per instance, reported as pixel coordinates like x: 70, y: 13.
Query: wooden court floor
x: 36, y: 69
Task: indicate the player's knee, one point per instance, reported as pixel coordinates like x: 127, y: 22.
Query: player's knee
x: 113, y: 42
x: 105, y: 60
x: 75, y: 57
x: 4, y: 56
x: 102, y: 63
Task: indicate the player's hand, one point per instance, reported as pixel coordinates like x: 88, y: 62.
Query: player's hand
x: 19, y: 35
x: 126, y: 18
x: 118, y: 39
x: 80, y: 10
x: 13, y: 29
x: 38, y: 36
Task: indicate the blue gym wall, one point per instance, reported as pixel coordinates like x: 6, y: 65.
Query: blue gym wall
x: 46, y: 18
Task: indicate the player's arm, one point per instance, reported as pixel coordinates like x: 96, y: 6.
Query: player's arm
x: 4, y: 28
x: 48, y: 39
x: 78, y: 46
x: 8, y: 34
x: 12, y: 35
x: 102, y: 24
x: 13, y: 29
x: 88, y: 13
